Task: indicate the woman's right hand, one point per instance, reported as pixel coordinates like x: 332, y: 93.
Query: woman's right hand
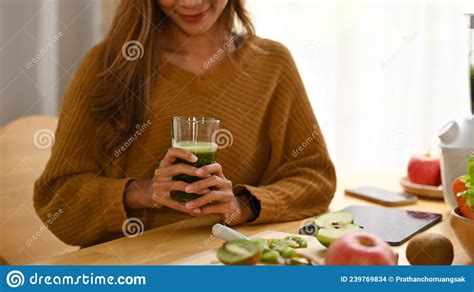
x: 156, y: 192
x: 163, y: 182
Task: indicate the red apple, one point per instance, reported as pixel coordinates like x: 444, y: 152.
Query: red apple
x: 424, y: 170
x: 360, y: 249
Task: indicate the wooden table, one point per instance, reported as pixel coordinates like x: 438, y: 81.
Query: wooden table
x: 167, y: 244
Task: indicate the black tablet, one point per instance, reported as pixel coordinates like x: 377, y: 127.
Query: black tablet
x: 395, y: 226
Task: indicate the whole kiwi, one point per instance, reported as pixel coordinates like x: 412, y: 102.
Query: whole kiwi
x: 430, y: 249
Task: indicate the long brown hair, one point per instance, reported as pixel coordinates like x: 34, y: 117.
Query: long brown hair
x: 129, y: 72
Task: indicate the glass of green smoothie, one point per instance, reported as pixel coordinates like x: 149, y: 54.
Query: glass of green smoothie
x: 195, y: 135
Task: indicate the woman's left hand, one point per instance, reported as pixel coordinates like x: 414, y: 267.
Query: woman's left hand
x: 220, y: 198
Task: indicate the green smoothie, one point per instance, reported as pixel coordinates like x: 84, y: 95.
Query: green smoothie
x: 206, y: 153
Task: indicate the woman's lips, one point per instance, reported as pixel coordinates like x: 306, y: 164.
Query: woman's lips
x: 195, y: 17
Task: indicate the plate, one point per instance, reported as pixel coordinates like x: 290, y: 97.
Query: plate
x: 429, y: 192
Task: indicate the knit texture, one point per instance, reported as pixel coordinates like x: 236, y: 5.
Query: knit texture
x: 275, y: 148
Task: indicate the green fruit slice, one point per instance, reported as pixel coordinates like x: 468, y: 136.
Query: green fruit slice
x: 270, y: 256
x: 332, y: 226
x: 282, y: 247
x: 290, y: 243
x: 297, y: 261
x: 327, y: 235
x: 240, y: 252
x: 300, y: 242
x: 331, y: 219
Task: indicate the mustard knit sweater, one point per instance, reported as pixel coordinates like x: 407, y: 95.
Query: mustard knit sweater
x: 277, y: 153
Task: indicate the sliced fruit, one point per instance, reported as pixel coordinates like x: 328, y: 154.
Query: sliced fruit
x: 329, y: 234
x: 282, y: 247
x: 330, y: 219
x: 297, y: 261
x: 262, y: 243
x: 240, y: 252
x: 299, y: 240
x: 270, y: 256
x: 290, y: 243
x: 332, y: 226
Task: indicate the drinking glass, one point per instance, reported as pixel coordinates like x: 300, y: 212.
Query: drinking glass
x: 195, y: 135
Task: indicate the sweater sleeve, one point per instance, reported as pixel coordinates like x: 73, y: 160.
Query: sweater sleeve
x: 299, y: 180
x: 73, y: 183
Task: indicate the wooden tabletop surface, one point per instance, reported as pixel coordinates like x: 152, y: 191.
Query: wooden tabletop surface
x: 173, y: 242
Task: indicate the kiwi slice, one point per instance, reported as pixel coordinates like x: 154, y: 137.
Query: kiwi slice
x: 283, y: 247
x: 300, y: 242
x: 270, y: 256
x: 297, y: 261
x: 262, y: 243
x: 332, y: 226
x: 271, y: 251
x: 290, y: 243
x: 240, y: 252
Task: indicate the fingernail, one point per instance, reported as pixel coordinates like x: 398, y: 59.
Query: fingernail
x: 194, y: 158
x: 196, y: 211
x: 189, y: 205
x: 200, y: 171
x: 188, y: 189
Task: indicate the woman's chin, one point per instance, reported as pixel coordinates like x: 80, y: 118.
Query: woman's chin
x: 196, y: 28
x: 194, y: 31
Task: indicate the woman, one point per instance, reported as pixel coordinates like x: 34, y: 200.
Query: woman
x: 162, y: 58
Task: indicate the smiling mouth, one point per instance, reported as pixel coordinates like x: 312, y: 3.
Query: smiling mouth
x: 195, y: 17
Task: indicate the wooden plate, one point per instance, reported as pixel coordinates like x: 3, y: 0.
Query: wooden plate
x: 429, y: 192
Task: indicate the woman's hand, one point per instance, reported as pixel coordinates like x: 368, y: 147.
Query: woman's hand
x: 156, y: 192
x: 218, y: 196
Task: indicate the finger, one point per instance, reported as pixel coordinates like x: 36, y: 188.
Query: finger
x: 206, y: 183
x: 214, y: 196
x: 167, y: 186
x: 170, y: 203
x: 222, y: 208
x: 206, y: 170
x: 173, y: 153
x: 202, y: 192
x: 167, y: 172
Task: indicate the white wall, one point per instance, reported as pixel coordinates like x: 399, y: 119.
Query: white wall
x: 383, y: 76
x: 41, y: 44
